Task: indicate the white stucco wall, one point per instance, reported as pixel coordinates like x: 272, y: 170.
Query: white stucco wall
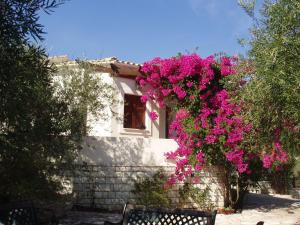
x: 112, y: 126
x: 102, y: 126
x: 127, y: 151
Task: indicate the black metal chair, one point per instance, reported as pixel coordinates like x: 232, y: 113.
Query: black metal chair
x: 159, y: 216
x: 25, y: 213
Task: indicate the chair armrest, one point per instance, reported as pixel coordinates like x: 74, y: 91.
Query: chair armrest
x: 112, y: 223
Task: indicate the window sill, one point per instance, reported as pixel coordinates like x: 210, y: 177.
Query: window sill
x: 138, y: 132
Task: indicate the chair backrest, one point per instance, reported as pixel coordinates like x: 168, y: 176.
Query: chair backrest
x: 18, y: 213
x: 135, y: 216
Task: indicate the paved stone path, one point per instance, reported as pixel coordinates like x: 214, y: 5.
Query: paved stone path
x: 272, y: 210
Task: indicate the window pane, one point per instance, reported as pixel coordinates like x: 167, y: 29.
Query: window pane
x: 134, y: 112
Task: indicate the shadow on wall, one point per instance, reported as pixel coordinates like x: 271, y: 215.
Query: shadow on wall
x: 126, y: 151
x: 112, y: 151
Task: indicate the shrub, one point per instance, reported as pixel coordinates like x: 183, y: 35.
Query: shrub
x: 150, y: 191
x: 188, y: 193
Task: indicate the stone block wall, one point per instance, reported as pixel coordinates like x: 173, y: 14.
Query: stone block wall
x: 109, y: 187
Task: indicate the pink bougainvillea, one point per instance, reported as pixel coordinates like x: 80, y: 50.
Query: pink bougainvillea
x: 144, y: 98
x: 207, y: 125
x: 153, y: 116
x: 275, y: 158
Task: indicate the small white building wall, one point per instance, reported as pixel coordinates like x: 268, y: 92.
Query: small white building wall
x: 112, y: 157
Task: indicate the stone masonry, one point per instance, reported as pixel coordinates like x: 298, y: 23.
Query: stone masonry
x: 109, y: 187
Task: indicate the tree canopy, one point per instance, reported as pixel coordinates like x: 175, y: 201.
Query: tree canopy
x: 272, y: 95
x: 36, y: 136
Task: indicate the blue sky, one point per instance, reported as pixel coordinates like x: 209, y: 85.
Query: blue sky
x: 139, y: 30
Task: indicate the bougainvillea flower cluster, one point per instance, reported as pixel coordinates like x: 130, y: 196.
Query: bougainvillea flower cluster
x: 206, y: 127
x: 275, y: 159
x: 153, y: 116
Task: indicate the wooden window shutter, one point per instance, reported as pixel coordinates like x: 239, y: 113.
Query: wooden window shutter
x: 134, y: 112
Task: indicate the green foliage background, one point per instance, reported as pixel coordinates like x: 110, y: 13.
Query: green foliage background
x: 272, y: 95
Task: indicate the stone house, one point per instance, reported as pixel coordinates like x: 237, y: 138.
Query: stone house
x: 119, y: 149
